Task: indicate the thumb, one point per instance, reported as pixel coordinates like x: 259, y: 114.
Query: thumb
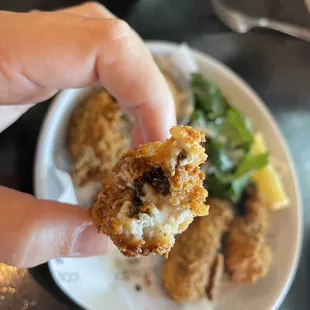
x: 34, y: 231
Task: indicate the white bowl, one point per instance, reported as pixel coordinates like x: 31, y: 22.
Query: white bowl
x: 94, y: 283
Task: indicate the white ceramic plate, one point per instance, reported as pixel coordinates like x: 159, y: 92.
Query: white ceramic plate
x: 99, y: 282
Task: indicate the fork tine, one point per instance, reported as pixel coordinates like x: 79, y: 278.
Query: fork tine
x: 219, y: 9
x: 225, y: 14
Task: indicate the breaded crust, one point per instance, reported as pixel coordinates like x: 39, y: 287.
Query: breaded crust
x: 186, y: 272
x: 247, y: 255
x: 216, y: 275
x: 156, y: 191
x: 98, y: 135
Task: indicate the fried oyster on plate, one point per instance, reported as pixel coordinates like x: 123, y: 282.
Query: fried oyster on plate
x: 247, y: 255
x: 98, y: 135
x: 187, y: 272
x: 155, y: 193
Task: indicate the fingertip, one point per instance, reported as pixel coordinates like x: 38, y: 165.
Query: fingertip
x: 156, y: 120
x: 90, y: 242
x: 137, y: 137
x: 157, y: 115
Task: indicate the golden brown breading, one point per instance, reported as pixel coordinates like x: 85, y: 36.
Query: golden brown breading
x: 216, y: 275
x: 86, y: 167
x: 186, y: 272
x: 98, y: 135
x: 247, y: 255
x: 156, y: 191
x: 257, y: 212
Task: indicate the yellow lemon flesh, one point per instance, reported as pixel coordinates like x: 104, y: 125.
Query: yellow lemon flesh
x: 268, y: 180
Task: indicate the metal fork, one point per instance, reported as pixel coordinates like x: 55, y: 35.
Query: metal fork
x: 242, y: 23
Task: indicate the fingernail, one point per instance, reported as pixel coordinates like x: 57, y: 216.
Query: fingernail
x: 91, y: 243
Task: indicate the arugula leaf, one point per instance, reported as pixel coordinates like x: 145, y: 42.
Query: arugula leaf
x: 240, y: 179
x: 251, y: 163
x: 230, y: 162
x: 208, y: 97
x: 237, y: 187
x: 216, y: 188
x: 218, y: 155
x: 236, y: 129
x: 198, y: 119
x: 219, y: 116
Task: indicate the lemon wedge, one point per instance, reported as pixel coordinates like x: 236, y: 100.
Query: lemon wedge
x: 268, y: 180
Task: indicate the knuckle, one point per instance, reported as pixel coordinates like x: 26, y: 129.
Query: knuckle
x: 119, y: 27
x: 94, y: 6
x: 110, y: 30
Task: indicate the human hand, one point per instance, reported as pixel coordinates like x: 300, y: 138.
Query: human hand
x: 71, y: 48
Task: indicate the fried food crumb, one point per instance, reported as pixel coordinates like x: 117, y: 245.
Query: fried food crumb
x: 186, y: 272
x: 247, y: 254
x: 98, y: 135
x: 138, y: 287
x: 216, y: 275
x: 156, y: 191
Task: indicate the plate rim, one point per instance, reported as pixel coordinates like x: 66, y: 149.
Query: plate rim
x: 167, y: 45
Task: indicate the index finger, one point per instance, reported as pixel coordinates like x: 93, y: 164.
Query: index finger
x: 58, y: 51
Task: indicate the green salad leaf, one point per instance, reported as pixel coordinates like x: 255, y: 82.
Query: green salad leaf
x: 236, y: 129
x: 218, y: 155
x: 198, y: 119
x: 251, y: 163
x: 229, y: 139
x: 208, y: 97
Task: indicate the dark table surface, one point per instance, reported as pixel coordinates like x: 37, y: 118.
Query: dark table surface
x: 276, y: 66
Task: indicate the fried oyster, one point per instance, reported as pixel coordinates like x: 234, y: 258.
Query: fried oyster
x: 155, y: 193
x: 98, y: 135
x: 187, y: 273
x: 247, y: 254
x: 216, y: 275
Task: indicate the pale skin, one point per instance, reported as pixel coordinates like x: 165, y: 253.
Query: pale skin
x: 43, y: 53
